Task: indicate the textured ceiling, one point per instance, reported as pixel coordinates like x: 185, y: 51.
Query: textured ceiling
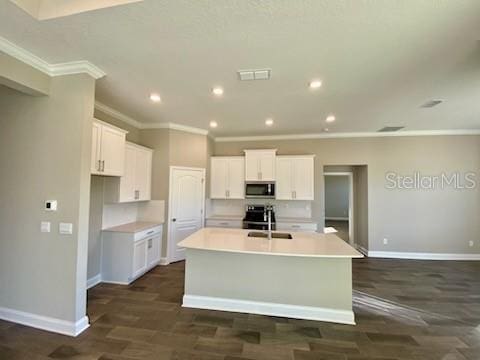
x: 378, y: 60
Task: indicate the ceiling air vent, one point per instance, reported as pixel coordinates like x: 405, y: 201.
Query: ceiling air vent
x: 391, y: 128
x: 431, y: 103
x: 259, y: 74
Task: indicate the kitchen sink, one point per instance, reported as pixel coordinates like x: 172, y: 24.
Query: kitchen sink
x: 275, y: 235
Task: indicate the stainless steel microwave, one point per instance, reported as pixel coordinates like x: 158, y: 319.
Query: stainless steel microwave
x: 260, y: 190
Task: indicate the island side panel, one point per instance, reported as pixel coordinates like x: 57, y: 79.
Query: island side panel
x: 233, y: 281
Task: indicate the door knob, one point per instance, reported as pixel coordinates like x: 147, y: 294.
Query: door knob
x: 174, y: 219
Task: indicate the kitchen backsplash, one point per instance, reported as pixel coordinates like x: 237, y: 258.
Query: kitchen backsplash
x: 295, y: 209
x: 118, y: 214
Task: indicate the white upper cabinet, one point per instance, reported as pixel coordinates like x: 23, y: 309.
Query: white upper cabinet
x: 260, y: 165
x: 227, y: 178
x: 135, y: 184
x: 295, y: 177
x: 108, y: 149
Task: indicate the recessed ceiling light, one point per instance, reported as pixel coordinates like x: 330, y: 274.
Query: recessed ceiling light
x: 155, y: 97
x: 330, y: 118
x: 269, y: 122
x: 213, y: 124
x: 218, y: 91
x: 325, y: 130
x: 315, y: 84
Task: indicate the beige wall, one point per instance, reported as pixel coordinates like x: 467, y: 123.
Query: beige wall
x: 360, y: 205
x: 337, y: 196
x: 438, y: 221
x: 45, y: 147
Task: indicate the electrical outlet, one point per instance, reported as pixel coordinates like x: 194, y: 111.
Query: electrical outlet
x: 385, y: 241
x: 470, y: 243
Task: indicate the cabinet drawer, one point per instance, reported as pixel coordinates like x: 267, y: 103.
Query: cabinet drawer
x: 148, y: 233
x: 237, y: 224
x: 307, y: 227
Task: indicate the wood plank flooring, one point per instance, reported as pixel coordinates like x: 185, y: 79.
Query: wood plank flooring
x: 420, y: 310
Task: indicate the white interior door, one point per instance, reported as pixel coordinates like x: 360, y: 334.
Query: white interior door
x: 187, y: 200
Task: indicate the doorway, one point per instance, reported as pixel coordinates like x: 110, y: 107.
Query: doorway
x: 186, y: 207
x: 339, y: 204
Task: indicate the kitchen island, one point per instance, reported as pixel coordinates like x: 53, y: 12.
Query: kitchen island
x: 306, y: 277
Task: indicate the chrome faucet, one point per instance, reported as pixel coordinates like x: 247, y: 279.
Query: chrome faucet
x: 269, y: 224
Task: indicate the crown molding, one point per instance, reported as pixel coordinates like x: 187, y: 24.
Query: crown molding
x: 66, y: 68
x: 117, y: 115
x: 145, y: 126
x: 175, y: 126
x: 349, y: 135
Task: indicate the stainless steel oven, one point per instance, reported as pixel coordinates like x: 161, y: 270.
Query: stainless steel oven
x: 260, y: 190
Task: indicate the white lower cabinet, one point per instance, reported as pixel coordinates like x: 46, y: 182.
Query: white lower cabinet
x: 227, y: 223
x: 294, y: 226
x: 127, y: 256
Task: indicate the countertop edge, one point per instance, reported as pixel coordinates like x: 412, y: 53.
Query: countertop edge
x: 275, y: 254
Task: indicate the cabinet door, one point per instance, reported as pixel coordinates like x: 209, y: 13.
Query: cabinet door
x: 284, y: 183
x: 267, y: 166
x: 96, y: 142
x: 127, y: 181
x: 218, y: 178
x: 303, y: 178
x: 153, y: 251
x: 252, y: 166
x: 143, y: 174
x: 139, y: 258
x: 236, y: 178
x: 112, y: 151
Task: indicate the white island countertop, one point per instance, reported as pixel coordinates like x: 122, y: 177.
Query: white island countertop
x: 302, y: 244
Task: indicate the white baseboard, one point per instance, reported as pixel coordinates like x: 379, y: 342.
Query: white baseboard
x: 272, y: 309
x: 363, y: 250
x: 337, y: 218
x: 164, y: 261
x: 95, y: 280
x: 44, y: 322
x: 422, y: 256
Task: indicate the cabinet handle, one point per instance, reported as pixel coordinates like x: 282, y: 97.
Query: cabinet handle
x: 103, y: 165
x: 294, y: 194
x: 137, y: 194
x: 150, y: 232
x: 99, y: 167
x: 295, y: 226
x: 228, y: 193
x: 150, y: 243
x: 224, y: 223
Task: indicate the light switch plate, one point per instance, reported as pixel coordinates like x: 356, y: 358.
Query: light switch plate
x: 45, y: 226
x: 65, y: 228
x: 51, y: 205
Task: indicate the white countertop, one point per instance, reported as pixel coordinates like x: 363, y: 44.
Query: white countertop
x: 302, y: 244
x: 134, y: 227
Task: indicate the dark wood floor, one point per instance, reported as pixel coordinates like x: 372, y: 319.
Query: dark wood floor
x: 341, y: 227
x: 422, y: 310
